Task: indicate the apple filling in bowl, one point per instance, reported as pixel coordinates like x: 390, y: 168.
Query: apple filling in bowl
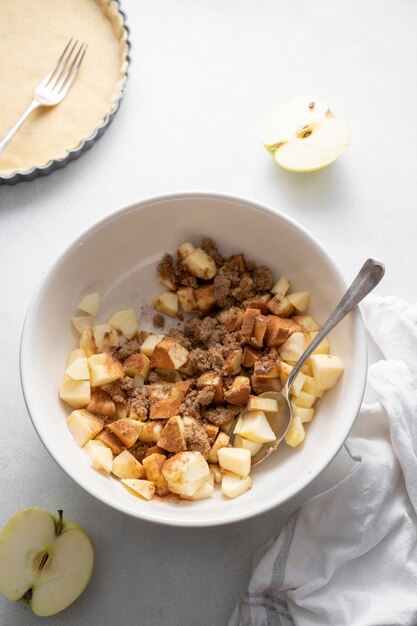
x: 154, y: 409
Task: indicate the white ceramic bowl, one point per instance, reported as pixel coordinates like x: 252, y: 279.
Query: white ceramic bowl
x: 117, y: 257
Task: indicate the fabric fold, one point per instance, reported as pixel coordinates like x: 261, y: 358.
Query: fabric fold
x: 348, y: 556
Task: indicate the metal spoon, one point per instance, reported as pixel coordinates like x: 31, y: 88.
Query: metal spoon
x: 367, y: 279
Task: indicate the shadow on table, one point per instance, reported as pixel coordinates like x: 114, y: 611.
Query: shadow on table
x: 322, y: 190
x: 166, y: 576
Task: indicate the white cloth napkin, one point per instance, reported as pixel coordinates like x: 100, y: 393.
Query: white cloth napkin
x: 348, y: 556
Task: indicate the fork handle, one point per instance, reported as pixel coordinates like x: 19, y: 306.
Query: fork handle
x: 9, y: 136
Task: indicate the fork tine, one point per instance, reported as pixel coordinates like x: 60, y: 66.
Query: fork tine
x: 61, y: 70
x: 72, y: 72
x: 48, y: 77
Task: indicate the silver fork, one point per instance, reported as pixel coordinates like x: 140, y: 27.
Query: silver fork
x: 54, y: 87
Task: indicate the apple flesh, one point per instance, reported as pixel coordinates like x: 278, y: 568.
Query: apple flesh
x: 303, y: 135
x: 45, y: 560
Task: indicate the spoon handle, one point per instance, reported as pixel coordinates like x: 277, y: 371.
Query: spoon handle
x: 367, y: 279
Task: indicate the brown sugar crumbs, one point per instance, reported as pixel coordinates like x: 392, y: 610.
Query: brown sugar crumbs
x: 164, y: 393
x: 158, y: 320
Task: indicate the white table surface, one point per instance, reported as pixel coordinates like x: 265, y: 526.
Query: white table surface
x: 203, y: 77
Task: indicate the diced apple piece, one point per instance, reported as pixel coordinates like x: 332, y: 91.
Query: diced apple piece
x: 304, y: 399
x: 169, y: 354
x: 252, y: 446
x: 153, y: 464
x: 205, y: 491
x: 310, y: 386
x: 285, y: 371
x: 266, y: 369
x: 87, y: 342
x: 260, y: 385
x: 236, y: 460
x: 126, y: 466
x: 138, y: 380
x: 76, y: 393
x: 234, y: 486
x: 307, y: 322
x: 185, y: 249
x: 154, y: 450
x: 233, y: 362
x: 222, y: 441
x: 246, y: 283
x: 104, y: 369
x: 149, y: 344
x: 125, y: 321
x: 187, y: 299
x: 164, y: 409
x: 324, y: 345
x: 84, y: 426
x: 298, y: 383
x: 167, y: 303
x: 239, y: 392
x: 211, y: 430
x: 144, y: 488
x: 293, y: 348
x: 296, y: 433
x: 101, y: 456
x: 250, y: 357
x: 167, y: 282
x: 305, y: 414
x: 306, y: 369
x: 281, y: 286
x: 205, y: 298
x: 149, y: 432
x: 231, y: 318
x: 82, y: 322
x: 159, y: 391
x: 106, y: 337
x: 101, y: 404
x: 227, y: 426
x: 180, y: 389
x: 211, y: 379
x: 259, y: 330
x: 280, y: 306
x: 299, y: 300
x: 279, y: 330
x: 74, y: 355
x: 127, y: 430
x: 122, y: 410
x: 200, y: 264
x: 169, y: 375
x: 267, y: 405
x: 248, y: 322
x: 111, y: 441
x: 78, y: 370
x: 137, y: 364
x: 90, y: 303
x: 327, y: 369
x: 172, y: 437
x: 217, y: 473
x: 258, y: 302
x: 255, y: 426
x: 185, y: 472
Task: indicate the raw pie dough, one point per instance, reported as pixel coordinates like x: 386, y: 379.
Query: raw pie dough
x: 32, y: 37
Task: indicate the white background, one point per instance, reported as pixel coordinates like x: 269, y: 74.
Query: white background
x: 204, y: 76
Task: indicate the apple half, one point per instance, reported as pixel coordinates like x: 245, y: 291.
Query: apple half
x: 303, y: 135
x: 44, y: 560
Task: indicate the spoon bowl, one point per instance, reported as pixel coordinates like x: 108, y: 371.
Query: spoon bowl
x: 278, y: 420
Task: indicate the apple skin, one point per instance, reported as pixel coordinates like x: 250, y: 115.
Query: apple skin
x: 303, y: 135
x: 45, y: 560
